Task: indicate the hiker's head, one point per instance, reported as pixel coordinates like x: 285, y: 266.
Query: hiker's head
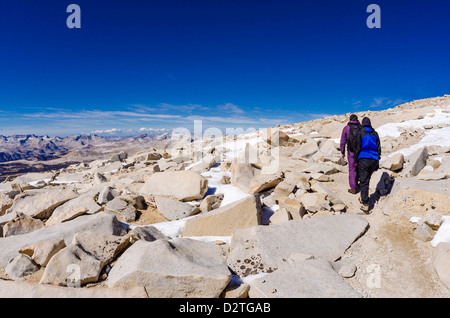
x: 366, y: 121
x: 353, y: 117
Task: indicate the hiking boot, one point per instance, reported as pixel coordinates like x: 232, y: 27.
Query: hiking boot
x: 365, y: 208
x: 352, y: 191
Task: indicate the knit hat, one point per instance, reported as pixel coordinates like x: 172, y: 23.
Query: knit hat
x: 366, y: 121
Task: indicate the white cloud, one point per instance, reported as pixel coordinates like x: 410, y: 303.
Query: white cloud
x: 378, y: 102
x: 150, y: 129
x: 164, y: 108
x: 106, y: 131
x: 140, y: 118
x: 231, y: 107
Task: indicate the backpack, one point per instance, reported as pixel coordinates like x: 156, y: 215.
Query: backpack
x: 369, y: 144
x: 352, y: 134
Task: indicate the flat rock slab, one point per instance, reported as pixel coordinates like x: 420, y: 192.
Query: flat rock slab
x: 73, y: 267
x: 435, y: 193
x: 173, y: 209
x: 185, y: 185
x: 100, y: 222
x: 177, y: 268
x: 441, y: 262
x: 42, y: 252
x: 262, y: 249
x: 72, y: 208
x: 42, y: 204
x: 312, y: 278
x: 224, y: 220
x: 12, y: 289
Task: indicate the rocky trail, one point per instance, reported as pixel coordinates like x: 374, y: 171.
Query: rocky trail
x: 261, y: 214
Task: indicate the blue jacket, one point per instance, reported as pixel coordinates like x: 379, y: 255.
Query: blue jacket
x: 368, y: 144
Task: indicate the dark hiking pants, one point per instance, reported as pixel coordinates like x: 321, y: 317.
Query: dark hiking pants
x: 366, y: 167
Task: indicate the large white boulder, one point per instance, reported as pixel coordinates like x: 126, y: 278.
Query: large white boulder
x: 72, y: 266
x: 173, y: 209
x: 441, y: 261
x: 99, y: 222
x: 416, y: 162
x: 73, y: 208
x: 224, y: 220
x: 12, y: 289
x: 185, y: 185
x: 310, y: 278
x: 42, y: 203
x: 177, y: 268
x: 262, y: 249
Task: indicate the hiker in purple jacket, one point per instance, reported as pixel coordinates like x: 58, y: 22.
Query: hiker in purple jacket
x: 348, y: 138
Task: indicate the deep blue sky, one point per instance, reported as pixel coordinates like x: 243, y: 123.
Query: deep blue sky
x: 153, y: 64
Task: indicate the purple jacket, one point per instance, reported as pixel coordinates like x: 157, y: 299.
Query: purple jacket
x: 344, y: 136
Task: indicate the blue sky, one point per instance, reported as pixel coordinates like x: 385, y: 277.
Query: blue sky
x: 163, y: 64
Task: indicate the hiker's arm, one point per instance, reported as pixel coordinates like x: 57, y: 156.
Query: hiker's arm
x: 344, y: 137
x: 378, y: 146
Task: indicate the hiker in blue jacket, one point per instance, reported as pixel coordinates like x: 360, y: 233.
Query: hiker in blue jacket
x: 367, y: 154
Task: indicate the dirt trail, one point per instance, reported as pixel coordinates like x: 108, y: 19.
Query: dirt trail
x: 390, y: 261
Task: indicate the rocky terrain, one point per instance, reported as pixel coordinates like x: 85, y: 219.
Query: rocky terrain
x: 20, y: 154
x: 264, y: 214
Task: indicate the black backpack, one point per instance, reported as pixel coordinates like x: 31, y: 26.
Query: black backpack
x: 352, y: 134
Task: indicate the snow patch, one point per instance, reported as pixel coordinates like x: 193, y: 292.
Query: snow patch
x: 435, y: 137
x: 443, y: 233
x: 395, y: 129
x: 230, y: 192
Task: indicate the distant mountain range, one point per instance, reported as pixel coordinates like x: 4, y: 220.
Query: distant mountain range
x: 30, y: 153
x: 44, y: 148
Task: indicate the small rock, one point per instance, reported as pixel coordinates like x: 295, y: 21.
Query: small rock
x: 122, y: 209
x: 397, y: 162
x: 280, y: 216
x: 423, y: 232
x: 20, y: 266
x: 285, y: 188
x: 173, y: 209
x: 433, y: 219
x: 347, y: 270
x: 211, y: 202
x: 21, y: 225
x: 294, y: 206
x: 225, y: 180
x: 315, y: 202
x: 99, y: 178
x: 239, y: 291
x: 262, y: 182
x: 72, y: 266
x: 106, y: 195
x: 147, y: 233
x: 42, y: 252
